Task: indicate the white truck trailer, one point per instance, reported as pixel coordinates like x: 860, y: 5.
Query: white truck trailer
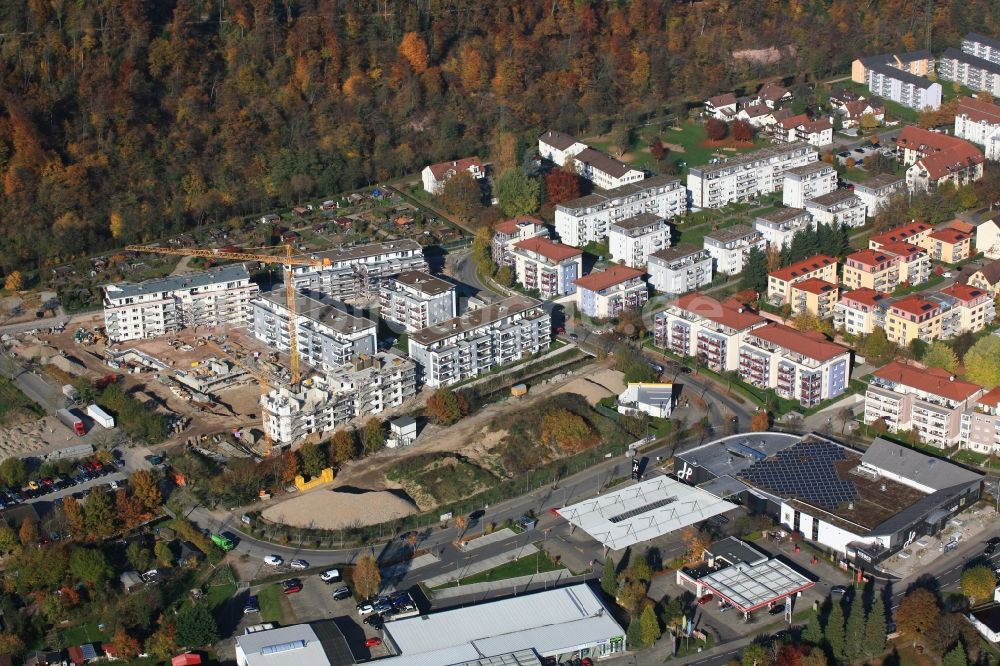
x: 100, y: 416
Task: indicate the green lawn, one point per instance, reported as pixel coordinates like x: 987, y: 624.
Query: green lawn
x: 274, y: 606
x: 892, y: 109
x: 12, y: 400
x: 856, y: 175
x: 970, y: 457
x: 514, y: 569
x: 83, y: 633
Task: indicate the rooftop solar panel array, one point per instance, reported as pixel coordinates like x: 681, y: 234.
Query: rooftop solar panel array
x: 805, y: 471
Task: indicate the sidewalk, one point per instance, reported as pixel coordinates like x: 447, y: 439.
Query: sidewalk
x: 485, y: 540
x: 480, y: 566
x: 555, y: 577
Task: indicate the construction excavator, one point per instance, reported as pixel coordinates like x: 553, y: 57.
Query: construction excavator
x: 288, y: 260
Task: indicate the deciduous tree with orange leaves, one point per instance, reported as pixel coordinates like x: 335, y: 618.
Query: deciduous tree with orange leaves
x: 760, y: 421
x: 414, y: 49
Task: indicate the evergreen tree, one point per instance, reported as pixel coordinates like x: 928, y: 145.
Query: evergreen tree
x: 609, y: 581
x: 834, y: 631
x: 956, y: 656
x: 813, y: 633
x: 825, y: 240
x: 633, y: 635
x: 853, y: 633
x: 843, y: 234
x: 874, y: 639
x: 649, y: 626
x: 754, y: 271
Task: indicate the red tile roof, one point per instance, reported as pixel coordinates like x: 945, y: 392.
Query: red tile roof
x: 725, y: 99
x: 800, y: 268
x: 727, y: 313
x: 609, y: 278
x: 957, y: 158
x: 962, y: 225
x: 978, y: 111
x: 820, y: 125
x: 913, y: 304
x: 899, y: 233
x: 772, y: 92
x: 811, y: 345
x: 869, y: 257
x: 859, y: 107
x: 864, y: 295
x: 903, y: 249
x: 991, y: 399
x: 510, y: 226
x: 815, y: 286
x: 949, y: 235
x: 964, y: 292
x: 794, y: 121
x: 441, y: 170
x: 929, y: 380
x: 548, y: 249
x: 926, y: 142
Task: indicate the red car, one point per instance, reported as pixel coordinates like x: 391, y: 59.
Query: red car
x: 705, y: 599
x: 373, y: 642
x: 292, y: 589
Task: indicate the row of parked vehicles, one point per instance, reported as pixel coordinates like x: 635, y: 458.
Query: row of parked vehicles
x: 387, y: 607
x: 84, y: 471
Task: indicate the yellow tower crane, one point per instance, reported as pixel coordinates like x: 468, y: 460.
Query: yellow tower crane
x: 288, y: 261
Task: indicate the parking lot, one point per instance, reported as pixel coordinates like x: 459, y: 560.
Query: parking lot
x: 315, y: 602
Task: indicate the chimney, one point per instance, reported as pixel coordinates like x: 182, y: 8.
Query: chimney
x: 850, y: 506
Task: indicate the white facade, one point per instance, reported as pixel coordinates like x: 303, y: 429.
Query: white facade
x: 747, y: 176
x: 605, y: 171
x: 972, y: 72
x: 780, y: 226
x: 607, y: 294
x: 480, y: 340
x: 876, y: 192
x: 808, y: 182
x: 903, y: 88
x: 729, y: 247
x: 558, y: 147
x: 841, y: 206
x: 355, y: 271
x: 548, y: 266
x: 979, y: 123
x: 701, y: 327
x: 633, y: 239
x: 434, y: 176
x: 321, y: 404
x: 216, y: 297
x: 679, y: 269
x: 416, y: 300
x: 589, y: 219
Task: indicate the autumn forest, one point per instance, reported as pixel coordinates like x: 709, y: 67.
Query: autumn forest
x: 129, y: 120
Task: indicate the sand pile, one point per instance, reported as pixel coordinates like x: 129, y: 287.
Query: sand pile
x: 34, y: 434
x: 334, y: 509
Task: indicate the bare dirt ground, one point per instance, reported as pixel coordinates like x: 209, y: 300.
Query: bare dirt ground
x: 675, y: 147
x: 35, y: 436
x: 325, y: 508
x: 596, y: 386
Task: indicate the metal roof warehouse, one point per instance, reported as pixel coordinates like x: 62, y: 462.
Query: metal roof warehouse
x: 566, y: 621
x: 643, y: 511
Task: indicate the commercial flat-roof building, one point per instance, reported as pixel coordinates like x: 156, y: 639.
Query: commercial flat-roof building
x: 314, y: 644
x: 654, y: 399
x: 779, y: 226
x: 328, y: 335
x: 746, y: 177
x: 480, y: 340
x: 355, y: 271
x: 679, y: 269
x: 746, y: 586
x: 217, y: 297
x: 699, y: 326
x: 633, y: 239
x: 589, y: 218
x: 864, y: 507
x: 415, y: 300
x: 729, y: 247
x: 563, y: 623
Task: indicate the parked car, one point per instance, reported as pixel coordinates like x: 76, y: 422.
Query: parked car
x: 330, y: 576
x: 705, y: 599
x: 341, y: 593
x: 373, y: 642
x: 273, y: 560
x: 365, y: 609
x: 374, y: 621
x: 292, y: 589
x: 299, y: 564
x: 838, y: 589
x: 251, y: 606
x: 775, y: 610
x: 990, y: 549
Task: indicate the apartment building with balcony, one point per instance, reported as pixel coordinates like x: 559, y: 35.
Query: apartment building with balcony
x: 799, y: 366
x: 779, y: 282
x: 328, y: 335
x: 633, y: 239
x: 480, y: 340
x: 980, y: 429
x: 840, y: 206
x: 603, y: 170
x: 608, y: 293
x: 352, y: 272
x: 589, y: 218
x: 874, y: 269
x: 679, y: 269
x: 217, y: 297
x: 860, y: 311
x: 513, y: 231
x: 746, y: 177
x: 414, y: 300
x: 546, y: 265
x: 935, y: 158
x: 918, y: 63
x: 902, y: 87
x: 975, y: 306
x: 930, y: 401
x: 917, y: 317
x: 876, y: 192
x: 982, y: 46
x: 970, y: 71
x: 699, y: 326
x: 914, y: 233
x: 808, y: 182
x: 322, y: 403
x: 815, y: 297
x: 979, y: 122
x: 949, y: 245
x: 779, y: 226
x: 729, y: 247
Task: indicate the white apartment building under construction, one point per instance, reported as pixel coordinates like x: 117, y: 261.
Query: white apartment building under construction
x: 215, y: 297
x: 480, y: 340
x: 355, y: 272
